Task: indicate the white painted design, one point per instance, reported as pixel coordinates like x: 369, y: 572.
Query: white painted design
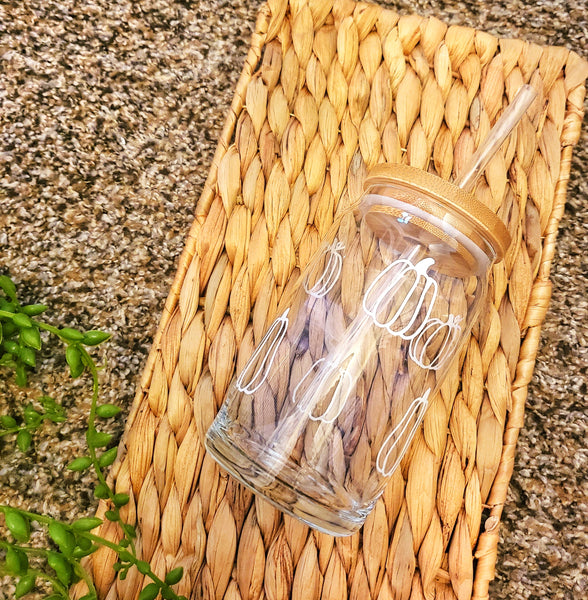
x: 331, y: 272
x: 380, y: 293
x: 435, y: 330
x: 325, y: 378
x: 404, y: 218
x: 256, y: 371
x: 401, y: 434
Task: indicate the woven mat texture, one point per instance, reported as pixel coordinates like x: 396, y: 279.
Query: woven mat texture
x: 329, y: 89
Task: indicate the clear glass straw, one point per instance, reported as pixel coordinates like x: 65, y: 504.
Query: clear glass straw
x: 508, y: 121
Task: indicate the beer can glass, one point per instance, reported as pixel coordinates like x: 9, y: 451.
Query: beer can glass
x: 334, y: 392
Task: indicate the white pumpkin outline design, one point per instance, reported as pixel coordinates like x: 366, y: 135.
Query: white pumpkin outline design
x: 372, y: 308
x: 342, y: 397
x: 331, y: 272
x: 249, y: 383
x: 418, y: 408
x: 419, y: 355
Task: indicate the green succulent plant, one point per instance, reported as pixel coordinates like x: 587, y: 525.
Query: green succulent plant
x: 59, y: 566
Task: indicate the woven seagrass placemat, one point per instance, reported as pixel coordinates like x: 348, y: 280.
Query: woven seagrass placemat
x: 328, y: 90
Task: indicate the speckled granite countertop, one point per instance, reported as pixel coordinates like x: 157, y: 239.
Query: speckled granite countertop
x: 109, y: 114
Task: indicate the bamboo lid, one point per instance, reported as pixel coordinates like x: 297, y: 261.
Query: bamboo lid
x: 474, y: 219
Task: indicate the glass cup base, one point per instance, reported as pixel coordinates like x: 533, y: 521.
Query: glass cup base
x: 254, y: 476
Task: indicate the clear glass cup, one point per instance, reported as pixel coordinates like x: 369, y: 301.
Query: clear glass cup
x: 330, y: 399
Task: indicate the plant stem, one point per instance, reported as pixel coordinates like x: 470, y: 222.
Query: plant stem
x: 44, y: 519
x: 114, y: 546
x: 25, y: 549
x: 17, y: 429
x: 56, y: 584
x: 79, y: 570
x: 91, y: 365
x: 46, y: 327
x: 41, y: 552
